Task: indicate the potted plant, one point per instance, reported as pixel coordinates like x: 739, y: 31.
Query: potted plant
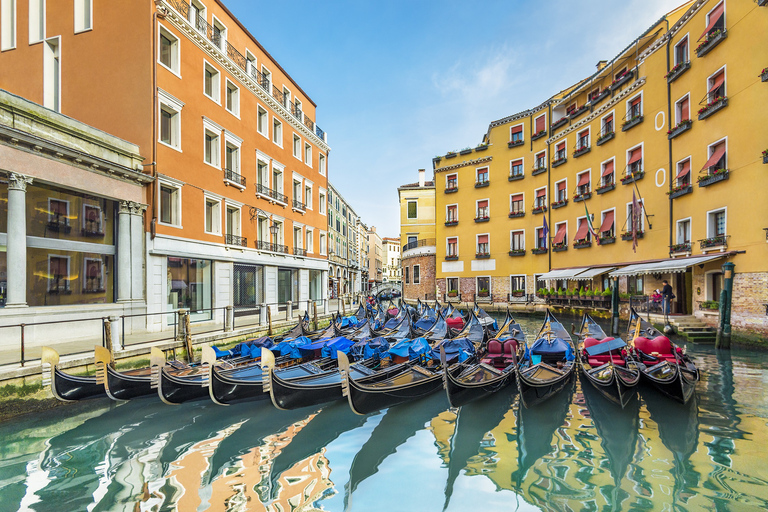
x: 624, y: 297
x: 453, y: 293
x: 518, y: 293
x: 765, y: 156
x: 560, y: 293
x: 483, y: 292
x: 710, y: 305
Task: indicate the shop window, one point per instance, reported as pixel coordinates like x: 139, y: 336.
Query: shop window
x: 190, y: 286
x: 58, y: 274
x: 92, y: 221
x: 94, y: 275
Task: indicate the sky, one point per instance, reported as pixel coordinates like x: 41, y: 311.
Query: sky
x: 398, y: 82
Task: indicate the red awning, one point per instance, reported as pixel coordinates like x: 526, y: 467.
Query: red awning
x: 482, y: 204
x: 715, y: 15
x: 518, y: 197
x: 717, y: 82
x: 716, y: 156
x: 517, y: 129
x: 684, y: 110
x: 482, y: 239
x: 560, y: 146
x: 560, y: 186
x: 608, y: 168
x: 607, y: 224
x: 635, y: 101
x: 684, y: 170
x: 583, y: 179
x: 581, y: 233
x: 608, y: 118
x: 541, y: 193
x: 637, y: 154
x: 517, y: 162
x: 560, y: 235
x: 539, y: 124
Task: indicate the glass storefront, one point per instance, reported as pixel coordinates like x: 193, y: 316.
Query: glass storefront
x: 59, y: 278
x: 248, y: 288
x: 190, y: 287
x: 315, y: 284
x: 66, y: 215
x: 287, y: 285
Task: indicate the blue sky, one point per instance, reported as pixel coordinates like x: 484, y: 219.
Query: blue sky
x: 398, y: 82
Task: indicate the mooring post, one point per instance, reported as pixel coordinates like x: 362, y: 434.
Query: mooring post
x: 229, y: 314
x: 615, y: 307
x: 723, y: 339
x: 269, y: 320
x: 188, y: 337
x: 314, y: 304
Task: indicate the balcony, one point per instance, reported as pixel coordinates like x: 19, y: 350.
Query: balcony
x: 271, y: 195
x: 678, y: 70
x: 557, y: 124
x: 605, y: 188
x: 482, y: 183
x: 559, y: 161
x: 582, y: 197
x: 680, y: 249
x: 232, y: 177
x: 581, y: 150
x: 712, y: 107
x: 715, y: 242
x: 451, y: 190
x: 713, y: 176
x: 59, y: 225
x: 236, y: 240
x: 268, y: 246
x: 517, y: 214
x: 539, y: 170
x: 298, y: 251
x: 299, y: 206
x: 538, y: 135
x: 631, y: 123
x: 626, y: 77
x: 713, y: 39
x: 559, y: 204
x: 516, y: 176
x: 517, y: 252
x: 427, y: 242
x: 605, y: 138
x: 683, y: 126
x: 515, y: 143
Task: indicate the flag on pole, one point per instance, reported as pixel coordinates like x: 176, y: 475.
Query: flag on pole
x: 590, y: 226
x: 545, y: 233
x: 635, y: 220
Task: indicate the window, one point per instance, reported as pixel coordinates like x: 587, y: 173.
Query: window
x: 412, y: 209
x: 277, y: 179
x: 267, y: 78
x: 58, y: 272
x: 620, y: 74
x: 561, y: 235
x: 321, y: 203
x: 718, y: 157
x: 606, y: 125
x: 683, y: 109
x: 582, y: 140
x: 452, y: 182
x: 452, y: 247
x: 297, y: 190
x: 482, y: 209
x: 482, y: 175
x: 716, y: 86
x: 582, y: 231
x: 262, y: 118
x: 541, y: 161
x: 452, y: 213
x: 681, y: 51
x: 8, y: 24
x: 483, y: 286
x: 416, y: 272
x: 683, y: 231
x: 541, y: 238
x: 541, y: 198
x: 683, y: 177
x: 607, y: 224
x: 571, y: 109
x: 92, y: 221
x: 606, y: 174
x: 560, y: 153
x: 233, y: 223
x: 561, y: 191
x: 170, y: 120
x: 516, y: 168
x: 93, y: 270
x: 594, y: 94
x: 58, y: 216
x: 308, y: 196
x: 540, y: 124
x: 219, y: 34
x: 52, y: 74
x: 715, y: 20
x: 36, y: 21
x: 321, y: 164
x: 634, y: 108
x: 170, y: 204
x: 516, y: 134
x: 197, y: 15
x: 582, y: 185
x: 452, y: 284
x: 212, y: 216
x: 233, y: 158
x: 634, y: 161
x: 516, y: 204
x: 211, y: 150
x: 233, y: 99
x: 309, y: 245
x: 277, y: 132
x: 635, y: 285
x: 483, y: 245
x: 322, y: 244
x: 517, y: 240
x: 169, y: 50
x: 308, y: 154
x: 297, y: 146
x: 517, y: 283
x: 83, y: 15
x: 407, y: 275
x: 211, y: 82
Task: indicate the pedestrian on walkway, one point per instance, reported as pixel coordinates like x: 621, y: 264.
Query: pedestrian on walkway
x: 666, y: 293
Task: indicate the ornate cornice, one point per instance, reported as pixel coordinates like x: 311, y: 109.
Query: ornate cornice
x: 465, y: 163
x: 236, y: 71
x: 521, y: 115
x: 674, y: 29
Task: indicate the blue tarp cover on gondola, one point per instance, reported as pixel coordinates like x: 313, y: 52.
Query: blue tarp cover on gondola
x: 291, y: 347
x: 554, y: 346
x: 410, y: 348
x: 335, y: 345
x: 606, y: 346
x: 248, y: 348
x: 349, y: 321
x: 460, y: 348
x: 367, y: 348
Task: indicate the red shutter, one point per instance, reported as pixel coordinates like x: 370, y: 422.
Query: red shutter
x: 607, y: 224
x: 685, y: 113
x: 560, y: 235
x: 452, y: 241
x: 482, y: 239
x: 581, y: 234
x: 685, y: 169
x: 560, y: 146
x: 583, y: 179
x: 608, y: 168
x: 717, y: 81
x: 517, y: 129
x: 517, y: 162
x: 482, y: 204
x: 541, y: 193
x: 561, y: 186
x: 715, y: 15
x: 517, y: 197
x: 608, y: 119
x: 539, y: 124
x: 635, y: 101
x: 716, y: 156
x: 635, y: 156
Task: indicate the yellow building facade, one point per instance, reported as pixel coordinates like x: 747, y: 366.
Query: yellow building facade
x: 667, y: 130
x: 417, y: 234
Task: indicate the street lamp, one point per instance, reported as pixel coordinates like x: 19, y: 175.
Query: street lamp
x: 274, y: 229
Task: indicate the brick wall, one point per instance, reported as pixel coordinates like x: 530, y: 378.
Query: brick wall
x: 750, y: 294
x: 426, y: 286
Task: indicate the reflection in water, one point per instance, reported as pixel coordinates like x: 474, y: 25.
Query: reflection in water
x: 576, y: 451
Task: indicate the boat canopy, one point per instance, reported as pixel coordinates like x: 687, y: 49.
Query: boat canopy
x: 332, y: 346
x: 368, y: 348
x: 458, y: 348
x: 411, y: 349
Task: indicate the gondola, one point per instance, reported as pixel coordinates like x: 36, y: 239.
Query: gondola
x: 547, y: 366
x: 662, y: 364
x: 472, y: 330
x: 604, y: 363
x: 453, y: 317
x: 125, y: 385
x: 65, y: 386
x: 495, y: 371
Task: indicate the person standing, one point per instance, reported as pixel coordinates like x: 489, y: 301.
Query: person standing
x: 667, y: 296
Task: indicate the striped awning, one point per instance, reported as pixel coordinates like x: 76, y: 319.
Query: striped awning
x: 667, y: 266
x: 592, y: 272
x: 563, y: 273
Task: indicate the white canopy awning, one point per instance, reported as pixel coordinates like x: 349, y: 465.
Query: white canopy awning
x: 668, y: 266
x: 563, y: 273
x: 592, y: 272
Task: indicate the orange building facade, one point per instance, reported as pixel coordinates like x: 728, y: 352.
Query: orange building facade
x: 236, y: 214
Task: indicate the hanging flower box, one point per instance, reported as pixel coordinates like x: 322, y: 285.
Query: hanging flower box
x: 451, y: 190
x: 618, y: 82
x: 517, y: 252
x: 607, y: 239
x: 557, y: 124
x: 451, y: 258
x: 764, y: 72
x: 713, y: 177
x: 600, y: 97
x: 631, y: 123
x: 582, y: 197
x: 581, y: 244
x: 538, y: 170
x: 560, y: 247
x: 713, y: 39
x: 627, y: 235
x: 515, y: 177
x: 482, y: 219
x: 515, y: 143
x: 677, y: 71
x: 482, y: 256
x: 560, y: 161
x: 437, y: 159
x: 481, y: 147
x: 559, y: 204
x: 515, y: 215
x: 481, y: 184
x: 452, y: 154
x: 631, y: 178
x: 453, y: 293
x: 539, y: 209
x: 518, y: 293
x: 682, y: 126
x: 712, y: 107
x: 581, y: 151
x: 465, y: 151
x: 605, y: 138
x: 576, y: 113
x: 680, y: 191
x: 539, y: 135
x: 680, y: 248
x: 539, y: 250
x: 720, y: 241
x: 605, y: 188
x: 451, y: 223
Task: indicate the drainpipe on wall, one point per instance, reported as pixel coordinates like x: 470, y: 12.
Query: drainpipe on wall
x: 549, y: 196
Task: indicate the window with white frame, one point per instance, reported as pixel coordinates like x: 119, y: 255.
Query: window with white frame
x: 582, y: 140
x: 540, y: 161
x: 516, y: 204
x: 561, y: 191
x: 412, y: 210
x: 517, y: 283
x: 716, y: 225
x: 83, y: 15
x: 716, y: 86
x: 540, y: 201
x: 681, y: 51
x: 416, y: 274
x: 715, y: 20
x: 233, y: 222
x: 683, y: 177
x: 277, y: 178
x: 170, y: 120
x: 170, y: 203
x: 262, y: 121
x: 211, y: 149
x: 482, y: 210
x: 452, y: 247
x: 93, y: 270
x: 321, y: 202
x: 583, y: 184
x: 635, y: 217
x: 483, y: 284
x: 483, y: 245
x: 451, y: 182
x: 516, y: 168
x: 52, y: 74
x: 452, y: 213
x: 232, y: 162
x: 322, y: 244
x: 212, y: 216
x: 561, y: 235
x: 58, y: 274
x: 308, y: 154
x: 683, y: 232
x: 561, y: 152
x: 297, y: 146
x: 516, y: 134
x: 607, y: 224
x: 517, y: 240
x: 168, y: 49
x: 606, y: 125
x: 540, y: 125
x: 583, y: 233
x: 683, y: 109
x: 211, y: 82
x: 277, y: 132
x: 7, y: 24
x: 267, y: 76
x: 321, y: 164
x: 197, y: 15
x: 233, y: 99
x: 452, y: 285
x: 310, y: 247
x: 541, y: 238
x: 308, y: 196
x: 607, y: 177
x: 717, y: 160
x: 635, y: 161
x: 482, y: 175
x: 36, y: 21
x: 219, y: 33
x: 634, y: 107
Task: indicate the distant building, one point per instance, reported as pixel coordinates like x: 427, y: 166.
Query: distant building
x: 344, y: 276
x: 417, y: 232
x: 375, y: 258
x: 391, y: 265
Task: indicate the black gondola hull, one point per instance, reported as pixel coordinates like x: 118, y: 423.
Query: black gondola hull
x: 176, y: 390
x: 364, y: 399
x: 226, y: 390
x: 533, y: 391
x: 620, y: 388
x: 294, y: 395
x: 461, y: 393
x: 125, y: 387
x: 672, y: 380
x: 69, y: 388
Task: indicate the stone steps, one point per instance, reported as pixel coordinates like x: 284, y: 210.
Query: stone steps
x: 694, y: 330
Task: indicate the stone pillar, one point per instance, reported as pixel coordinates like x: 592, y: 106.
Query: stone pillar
x: 289, y: 310
x: 263, y: 315
x: 114, y: 332
x: 229, y: 315
x: 17, y: 240
x: 325, y: 306
x: 123, y: 263
x: 137, y: 251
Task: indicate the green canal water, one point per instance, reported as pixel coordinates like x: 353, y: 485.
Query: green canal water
x: 574, y: 452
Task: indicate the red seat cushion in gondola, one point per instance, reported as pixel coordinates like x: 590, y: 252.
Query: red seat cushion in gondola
x: 659, y: 347
x: 510, y: 349
x: 601, y: 359
x: 495, y: 355
x: 455, y: 323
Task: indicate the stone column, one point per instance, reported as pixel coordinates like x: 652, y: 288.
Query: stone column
x: 123, y: 263
x: 17, y: 240
x: 137, y: 251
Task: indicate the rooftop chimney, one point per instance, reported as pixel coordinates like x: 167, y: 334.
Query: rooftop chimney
x: 422, y: 173
x: 601, y: 64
